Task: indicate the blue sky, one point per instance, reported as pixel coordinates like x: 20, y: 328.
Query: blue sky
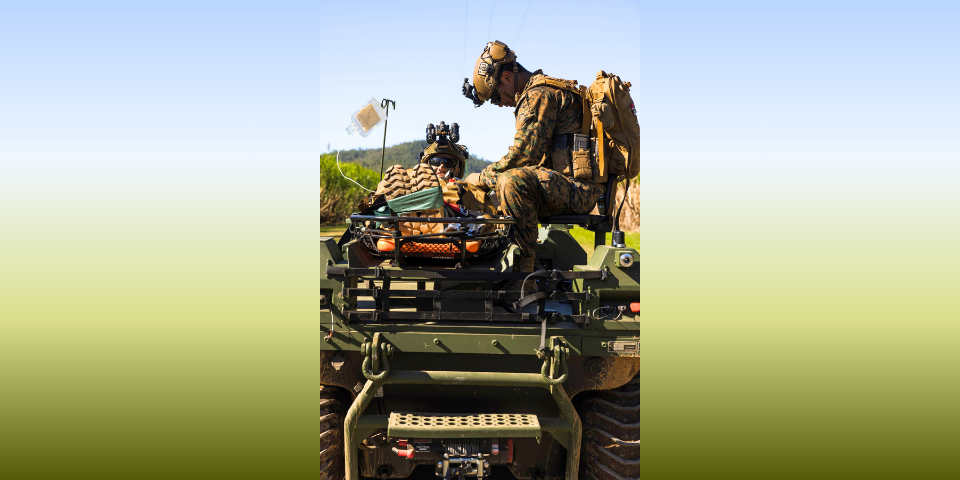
x: 113, y: 82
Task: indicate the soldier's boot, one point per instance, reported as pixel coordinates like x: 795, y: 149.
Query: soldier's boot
x: 395, y: 183
x: 422, y: 177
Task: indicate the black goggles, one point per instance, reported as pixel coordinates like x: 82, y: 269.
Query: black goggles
x: 443, y: 161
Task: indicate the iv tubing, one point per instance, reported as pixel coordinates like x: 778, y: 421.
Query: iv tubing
x: 341, y: 171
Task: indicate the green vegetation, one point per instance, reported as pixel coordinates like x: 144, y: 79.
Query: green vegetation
x: 406, y: 154
x: 339, y: 196
x: 585, y: 238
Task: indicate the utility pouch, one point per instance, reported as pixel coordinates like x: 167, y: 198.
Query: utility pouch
x: 476, y: 199
x: 582, y: 161
x: 561, y: 155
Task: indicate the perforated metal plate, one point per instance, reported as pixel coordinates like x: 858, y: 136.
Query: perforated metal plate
x: 486, y: 425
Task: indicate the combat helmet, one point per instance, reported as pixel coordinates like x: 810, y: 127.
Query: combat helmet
x: 442, y: 142
x: 486, y: 73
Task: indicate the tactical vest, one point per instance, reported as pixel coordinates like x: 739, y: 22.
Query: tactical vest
x: 608, y: 114
x: 563, y: 156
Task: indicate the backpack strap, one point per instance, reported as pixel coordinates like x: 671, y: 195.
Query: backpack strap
x: 597, y: 101
x: 585, y: 103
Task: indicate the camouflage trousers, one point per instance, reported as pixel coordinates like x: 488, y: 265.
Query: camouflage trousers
x: 530, y: 192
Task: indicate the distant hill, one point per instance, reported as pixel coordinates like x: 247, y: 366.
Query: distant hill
x: 406, y: 154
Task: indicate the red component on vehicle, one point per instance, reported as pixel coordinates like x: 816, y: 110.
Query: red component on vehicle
x: 405, y: 453
x: 635, y: 307
x: 456, y: 208
x: 495, y: 448
x: 510, y: 450
x: 402, y: 443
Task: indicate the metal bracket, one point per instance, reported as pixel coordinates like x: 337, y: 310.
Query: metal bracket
x: 555, y: 363
x: 373, y: 358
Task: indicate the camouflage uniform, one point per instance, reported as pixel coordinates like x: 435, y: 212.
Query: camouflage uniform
x: 526, y: 183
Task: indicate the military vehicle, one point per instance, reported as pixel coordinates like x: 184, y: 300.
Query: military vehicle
x: 425, y: 362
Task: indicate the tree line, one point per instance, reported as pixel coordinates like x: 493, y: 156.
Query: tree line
x: 406, y: 154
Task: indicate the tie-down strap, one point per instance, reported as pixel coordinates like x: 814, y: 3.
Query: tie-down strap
x: 464, y: 274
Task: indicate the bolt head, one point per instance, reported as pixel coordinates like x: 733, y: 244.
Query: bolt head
x: 592, y: 366
x: 495, y: 343
x: 436, y: 341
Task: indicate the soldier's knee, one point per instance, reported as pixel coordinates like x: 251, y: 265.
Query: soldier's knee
x: 507, y: 188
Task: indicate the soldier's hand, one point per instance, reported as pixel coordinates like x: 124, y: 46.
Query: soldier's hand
x: 475, y: 179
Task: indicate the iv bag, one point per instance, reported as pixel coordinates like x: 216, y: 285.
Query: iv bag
x: 363, y: 121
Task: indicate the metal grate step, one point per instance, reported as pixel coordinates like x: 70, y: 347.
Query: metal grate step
x: 476, y: 425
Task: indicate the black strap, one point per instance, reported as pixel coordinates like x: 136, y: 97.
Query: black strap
x: 527, y: 300
x: 543, y: 337
x: 475, y: 275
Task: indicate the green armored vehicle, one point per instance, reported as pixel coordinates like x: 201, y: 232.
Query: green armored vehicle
x: 426, y: 363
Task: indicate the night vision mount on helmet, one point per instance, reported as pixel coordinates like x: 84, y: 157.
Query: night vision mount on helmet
x: 442, y: 142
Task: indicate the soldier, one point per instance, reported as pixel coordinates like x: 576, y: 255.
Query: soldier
x: 535, y: 177
x: 448, y: 159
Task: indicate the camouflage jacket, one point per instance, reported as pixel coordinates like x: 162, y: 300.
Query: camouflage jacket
x: 542, y: 112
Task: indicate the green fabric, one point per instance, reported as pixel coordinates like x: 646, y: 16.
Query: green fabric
x: 429, y: 199
x: 383, y: 211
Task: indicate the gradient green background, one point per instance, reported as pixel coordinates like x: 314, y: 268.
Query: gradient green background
x: 159, y: 259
